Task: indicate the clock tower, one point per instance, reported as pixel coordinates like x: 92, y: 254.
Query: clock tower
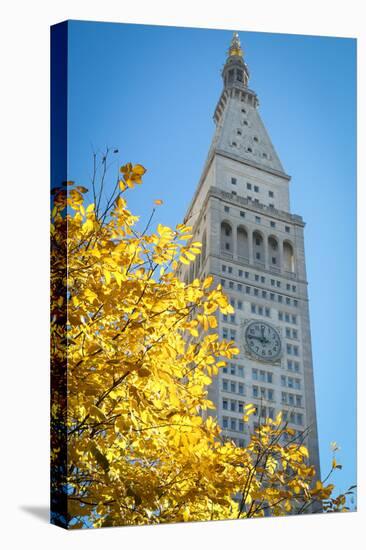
x: 254, y: 246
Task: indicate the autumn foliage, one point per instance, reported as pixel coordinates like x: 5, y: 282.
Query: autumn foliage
x: 134, y: 436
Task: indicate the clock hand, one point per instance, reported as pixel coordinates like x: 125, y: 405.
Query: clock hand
x: 255, y: 337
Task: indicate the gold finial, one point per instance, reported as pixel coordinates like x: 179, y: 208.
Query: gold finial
x: 235, y: 47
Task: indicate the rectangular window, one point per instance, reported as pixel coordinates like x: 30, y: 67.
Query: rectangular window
x: 294, y: 334
x: 288, y: 301
x: 279, y: 299
x: 241, y: 389
x: 255, y: 292
x: 231, y: 284
x: 227, y: 209
x: 296, y: 366
x: 242, y: 214
x: 241, y: 427
x: 260, y: 310
x: 296, y: 303
x: 240, y: 407
x: 230, y: 269
x: 240, y: 287
x: 247, y: 289
x: 224, y: 318
x: 253, y: 308
x: 280, y: 316
x: 255, y: 391
x: 233, y: 181
x: 225, y: 404
x: 278, y: 283
x: 287, y: 229
x: 271, y: 205
x: 299, y: 419
x: 241, y: 371
x: 255, y: 374
x: 297, y: 383
x: 256, y: 188
x: 234, y: 193
x: 262, y: 376
x: 294, y: 319
x: 269, y: 377
x: 264, y: 294
x: 283, y: 380
x: 270, y: 394
x: 225, y: 385
x: 225, y: 422
x: 298, y: 400
x: 240, y: 304
x: 271, y: 194
x: 272, y: 296
x: 256, y: 277
x: 289, y: 365
x: 232, y: 387
x: 289, y: 349
x: 287, y: 318
x: 257, y: 255
x: 232, y: 334
x: 233, y: 406
x: 296, y: 350
x: 288, y: 287
x: 273, y: 224
x: 288, y: 333
x: 232, y: 318
x: 273, y: 282
x: 232, y: 368
x: 222, y: 281
x: 233, y: 424
x: 223, y: 268
x: 246, y: 274
x: 267, y: 312
x: 263, y: 280
x: 284, y: 397
x: 240, y: 272
x: 257, y: 219
x: 227, y: 246
x: 293, y: 288
x: 249, y: 186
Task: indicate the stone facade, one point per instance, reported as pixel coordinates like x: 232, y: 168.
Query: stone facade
x: 254, y: 246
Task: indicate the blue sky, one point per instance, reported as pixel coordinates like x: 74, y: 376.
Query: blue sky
x: 151, y: 91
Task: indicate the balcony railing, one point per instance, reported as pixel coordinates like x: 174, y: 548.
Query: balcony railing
x: 243, y: 259
x: 259, y: 263
x: 226, y: 254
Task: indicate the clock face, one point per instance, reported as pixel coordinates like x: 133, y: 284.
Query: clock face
x: 263, y: 340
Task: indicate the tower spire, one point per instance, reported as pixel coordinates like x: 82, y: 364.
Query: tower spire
x: 235, y: 72
x: 235, y: 46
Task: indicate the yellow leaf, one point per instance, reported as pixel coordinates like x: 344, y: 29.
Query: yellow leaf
x: 139, y: 169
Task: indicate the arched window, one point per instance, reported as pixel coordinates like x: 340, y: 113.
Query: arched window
x: 242, y: 243
x: 288, y: 257
x: 258, y: 248
x: 273, y: 254
x: 226, y: 239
